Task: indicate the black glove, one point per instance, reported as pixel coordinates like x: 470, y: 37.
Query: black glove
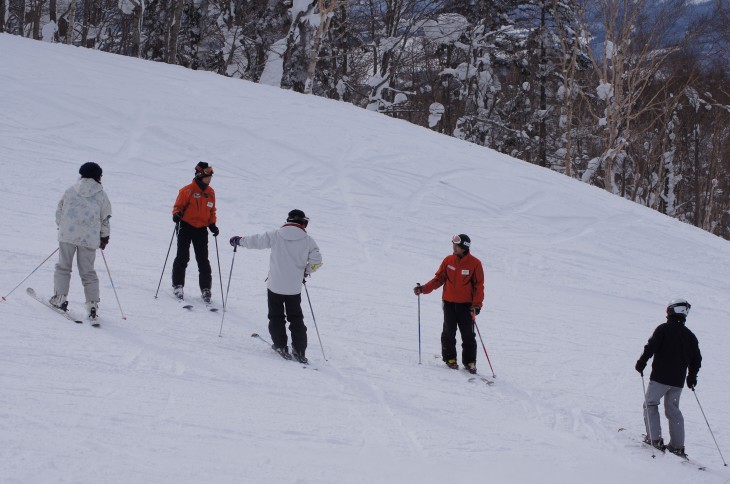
x: 176, y: 217
x: 692, y: 381
x: 640, y: 365
x: 476, y: 310
x: 235, y: 240
x: 103, y: 242
x: 418, y: 290
x: 214, y: 230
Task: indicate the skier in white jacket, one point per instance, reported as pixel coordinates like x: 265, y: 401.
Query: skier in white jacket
x: 82, y: 217
x: 294, y: 256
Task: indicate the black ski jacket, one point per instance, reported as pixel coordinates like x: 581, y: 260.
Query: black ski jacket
x: 675, y: 350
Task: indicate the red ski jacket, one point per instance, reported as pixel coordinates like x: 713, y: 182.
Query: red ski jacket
x: 196, y: 205
x: 462, y: 278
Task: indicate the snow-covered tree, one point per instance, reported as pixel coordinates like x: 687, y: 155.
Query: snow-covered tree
x: 628, y: 61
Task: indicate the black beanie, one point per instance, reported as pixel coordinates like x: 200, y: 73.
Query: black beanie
x: 463, y: 241
x: 90, y: 170
x: 202, y: 169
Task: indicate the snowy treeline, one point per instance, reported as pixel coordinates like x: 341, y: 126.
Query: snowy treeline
x: 628, y: 95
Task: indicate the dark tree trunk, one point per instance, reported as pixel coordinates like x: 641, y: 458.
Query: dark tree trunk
x: 52, y: 7
x: 174, y: 31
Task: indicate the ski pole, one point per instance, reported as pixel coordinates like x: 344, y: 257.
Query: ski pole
x: 418, y: 285
x: 646, y: 416
x: 474, y: 318
x: 112, y: 281
x: 225, y: 301
x: 174, y: 232
x: 708, y: 426
x: 314, y: 319
x: 220, y: 276
x: 4, y: 298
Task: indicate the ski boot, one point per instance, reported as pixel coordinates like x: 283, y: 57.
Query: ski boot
x: 92, y: 309
x: 178, y: 292
x: 452, y: 364
x: 206, y: 296
x: 299, y: 357
x: 657, y: 444
x: 59, y: 301
x: 677, y: 451
x: 283, y: 351
x: 471, y: 368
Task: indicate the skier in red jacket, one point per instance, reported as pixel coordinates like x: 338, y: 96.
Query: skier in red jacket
x: 195, y: 213
x: 462, y: 276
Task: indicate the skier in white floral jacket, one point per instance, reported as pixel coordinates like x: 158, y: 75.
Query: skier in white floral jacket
x: 82, y: 217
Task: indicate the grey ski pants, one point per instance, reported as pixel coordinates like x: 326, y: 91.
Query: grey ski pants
x: 654, y: 393
x: 85, y: 258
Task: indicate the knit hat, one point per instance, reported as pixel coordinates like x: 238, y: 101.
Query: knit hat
x: 462, y: 240
x: 90, y: 170
x: 297, y: 217
x: 202, y: 169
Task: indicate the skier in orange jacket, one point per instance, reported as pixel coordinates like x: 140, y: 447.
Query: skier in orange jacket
x: 462, y: 276
x: 194, y: 211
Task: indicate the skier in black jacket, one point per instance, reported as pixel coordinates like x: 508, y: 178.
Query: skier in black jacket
x: 676, y: 351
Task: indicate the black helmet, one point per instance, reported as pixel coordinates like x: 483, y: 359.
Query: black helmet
x: 297, y: 217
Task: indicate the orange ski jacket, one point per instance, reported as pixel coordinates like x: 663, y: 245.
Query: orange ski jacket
x: 462, y: 278
x: 196, y: 205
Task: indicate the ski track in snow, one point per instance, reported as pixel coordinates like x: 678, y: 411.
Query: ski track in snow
x: 576, y: 280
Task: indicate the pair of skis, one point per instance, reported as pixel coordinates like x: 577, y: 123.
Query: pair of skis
x: 65, y: 313
x: 684, y: 459
x: 189, y: 307
x: 472, y: 377
x: 258, y: 337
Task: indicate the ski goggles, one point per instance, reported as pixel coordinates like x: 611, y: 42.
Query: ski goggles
x: 457, y: 241
x: 680, y: 308
x: 205, y: 172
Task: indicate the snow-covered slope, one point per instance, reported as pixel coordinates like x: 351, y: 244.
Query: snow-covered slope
x: 576, y: 282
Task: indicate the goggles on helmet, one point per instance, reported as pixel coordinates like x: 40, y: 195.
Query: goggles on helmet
x: 456, y: 240
x: 680, y: 308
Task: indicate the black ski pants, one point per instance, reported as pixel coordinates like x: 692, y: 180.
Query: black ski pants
x: 283, y: 308
x: 458, y: 315
x: 199, y: 239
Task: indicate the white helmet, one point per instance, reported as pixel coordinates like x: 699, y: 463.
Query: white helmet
x: 678, y: 306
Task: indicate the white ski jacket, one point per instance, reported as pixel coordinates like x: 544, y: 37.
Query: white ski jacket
x: 83, y: 214
x: 293, y: 254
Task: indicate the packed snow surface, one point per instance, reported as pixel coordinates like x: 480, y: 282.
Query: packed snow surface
x: 576, y: 281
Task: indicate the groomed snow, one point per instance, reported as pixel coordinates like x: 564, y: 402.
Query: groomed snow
x: 576, y: 281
